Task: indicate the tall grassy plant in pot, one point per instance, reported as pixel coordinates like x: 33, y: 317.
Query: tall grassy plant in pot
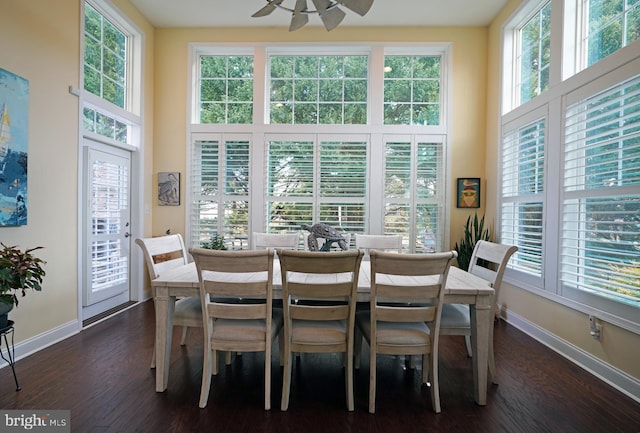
x: 474, y: 230
x: 19, y: 271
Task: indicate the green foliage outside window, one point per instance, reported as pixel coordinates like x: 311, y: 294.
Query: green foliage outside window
x: 412, y: 90
x: 613, y: 24
x: 105, y: 58
x: 535, y: 54
x: 318, y: 89
x: 226, y: 89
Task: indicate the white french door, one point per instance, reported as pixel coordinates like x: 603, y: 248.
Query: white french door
x: 107, y: 228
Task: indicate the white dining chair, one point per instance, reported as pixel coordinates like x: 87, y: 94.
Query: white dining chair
x: 161, y: 254
x: 378, y: 242
x: 232, y: 326
x: 488, y: 261
x: 275, y: 240
x: 407, y: 292
x: 319, y: 297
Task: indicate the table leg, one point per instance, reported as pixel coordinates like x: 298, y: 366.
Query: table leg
x: 480, y: 321
x: 165, y: 306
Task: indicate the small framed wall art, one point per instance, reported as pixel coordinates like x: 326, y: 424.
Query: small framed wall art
x: 169, y: 188
x: 468, y: 192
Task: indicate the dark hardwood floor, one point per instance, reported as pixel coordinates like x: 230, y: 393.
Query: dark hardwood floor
x: 102, y: 376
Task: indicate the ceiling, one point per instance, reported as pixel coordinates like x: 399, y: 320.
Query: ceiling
x: 237, y: 13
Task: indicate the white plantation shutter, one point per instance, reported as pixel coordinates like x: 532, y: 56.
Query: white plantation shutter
x: 414, y: 191
x: 343, y: 185
x: 601, y: 206
x: 220, y: 190
x: 522, y: 195
x: 316, y: 179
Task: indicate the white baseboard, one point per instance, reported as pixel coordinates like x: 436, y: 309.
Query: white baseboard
x: 618, y: 379
x: 39, y: 342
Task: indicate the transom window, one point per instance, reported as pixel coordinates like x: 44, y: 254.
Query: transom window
x: 534, y: 54
x: 226, y: 89
x: 105, y: 58
x: 412, y: 90
x: 610, y: 25
x: 322, y: 89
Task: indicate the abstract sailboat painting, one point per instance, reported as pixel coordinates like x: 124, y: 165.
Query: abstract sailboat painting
x: 14, y: 119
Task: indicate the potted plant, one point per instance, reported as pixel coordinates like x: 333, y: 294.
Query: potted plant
x: 216, y: 243
x: 19, y: 272
x: 473, y: 232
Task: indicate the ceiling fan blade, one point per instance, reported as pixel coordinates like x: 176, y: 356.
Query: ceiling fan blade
x: 361, y: 7
x: 330, y: 16
x: 299, y: 19
x: 270, y: 7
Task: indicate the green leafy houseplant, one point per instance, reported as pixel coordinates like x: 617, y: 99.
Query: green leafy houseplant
x: 473, y: 232
x: 19, y: 271
x: 216, y: 243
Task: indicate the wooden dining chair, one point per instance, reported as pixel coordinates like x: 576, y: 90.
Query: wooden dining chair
x: 162, y: 254
x: 407, y: 291
x: 378, y: 242
x: 488, y: 261
x: 319, y: 297
x: 232, y: 326
x: 275, y: 240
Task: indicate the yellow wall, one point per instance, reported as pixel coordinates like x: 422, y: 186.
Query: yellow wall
x: 617, y: 347
x: 41, y: 43
x: 468, y: 113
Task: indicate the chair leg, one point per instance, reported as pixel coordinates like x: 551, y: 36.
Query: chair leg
x: 227, y: 358
x: 467, y: 342
x: 214, y: 362
x: 208, y: 361
x: 430, y: 362
x: 357, y: 347
x: 281, y: 347
x: 183, y: 341
x: 286, y: 380
x: 372, y: 379
x: 153, y: 356
x: 349, y: 378
x: 267, y: 376
x: 492, y: 361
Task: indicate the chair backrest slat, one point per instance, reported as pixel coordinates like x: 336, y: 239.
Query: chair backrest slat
x: 163, y: 253
x: 275, y: 240
x: 379, y: 242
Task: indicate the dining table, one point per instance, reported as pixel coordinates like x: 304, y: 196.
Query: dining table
x: 461, y: 288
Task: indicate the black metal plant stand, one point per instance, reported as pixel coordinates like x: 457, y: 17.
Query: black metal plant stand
x: 11, y: 357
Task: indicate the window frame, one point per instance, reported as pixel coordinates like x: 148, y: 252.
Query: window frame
x: 374, y: 129
x: 566, y: 83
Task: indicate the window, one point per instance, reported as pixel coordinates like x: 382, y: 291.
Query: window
x: 316, y: 180
x: 105, y: 58
x: 315, y: 128
x: 226, y: 89
x: 319, y: 89
x: 413, y: 191
x: 534, y: 54
x: 610, y: 25
x: 220, y: 179
x: 412, y: 90
x: 601, y: 208
x: 109, y: 104
x: 570, y: 162
x: 522, y: 210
